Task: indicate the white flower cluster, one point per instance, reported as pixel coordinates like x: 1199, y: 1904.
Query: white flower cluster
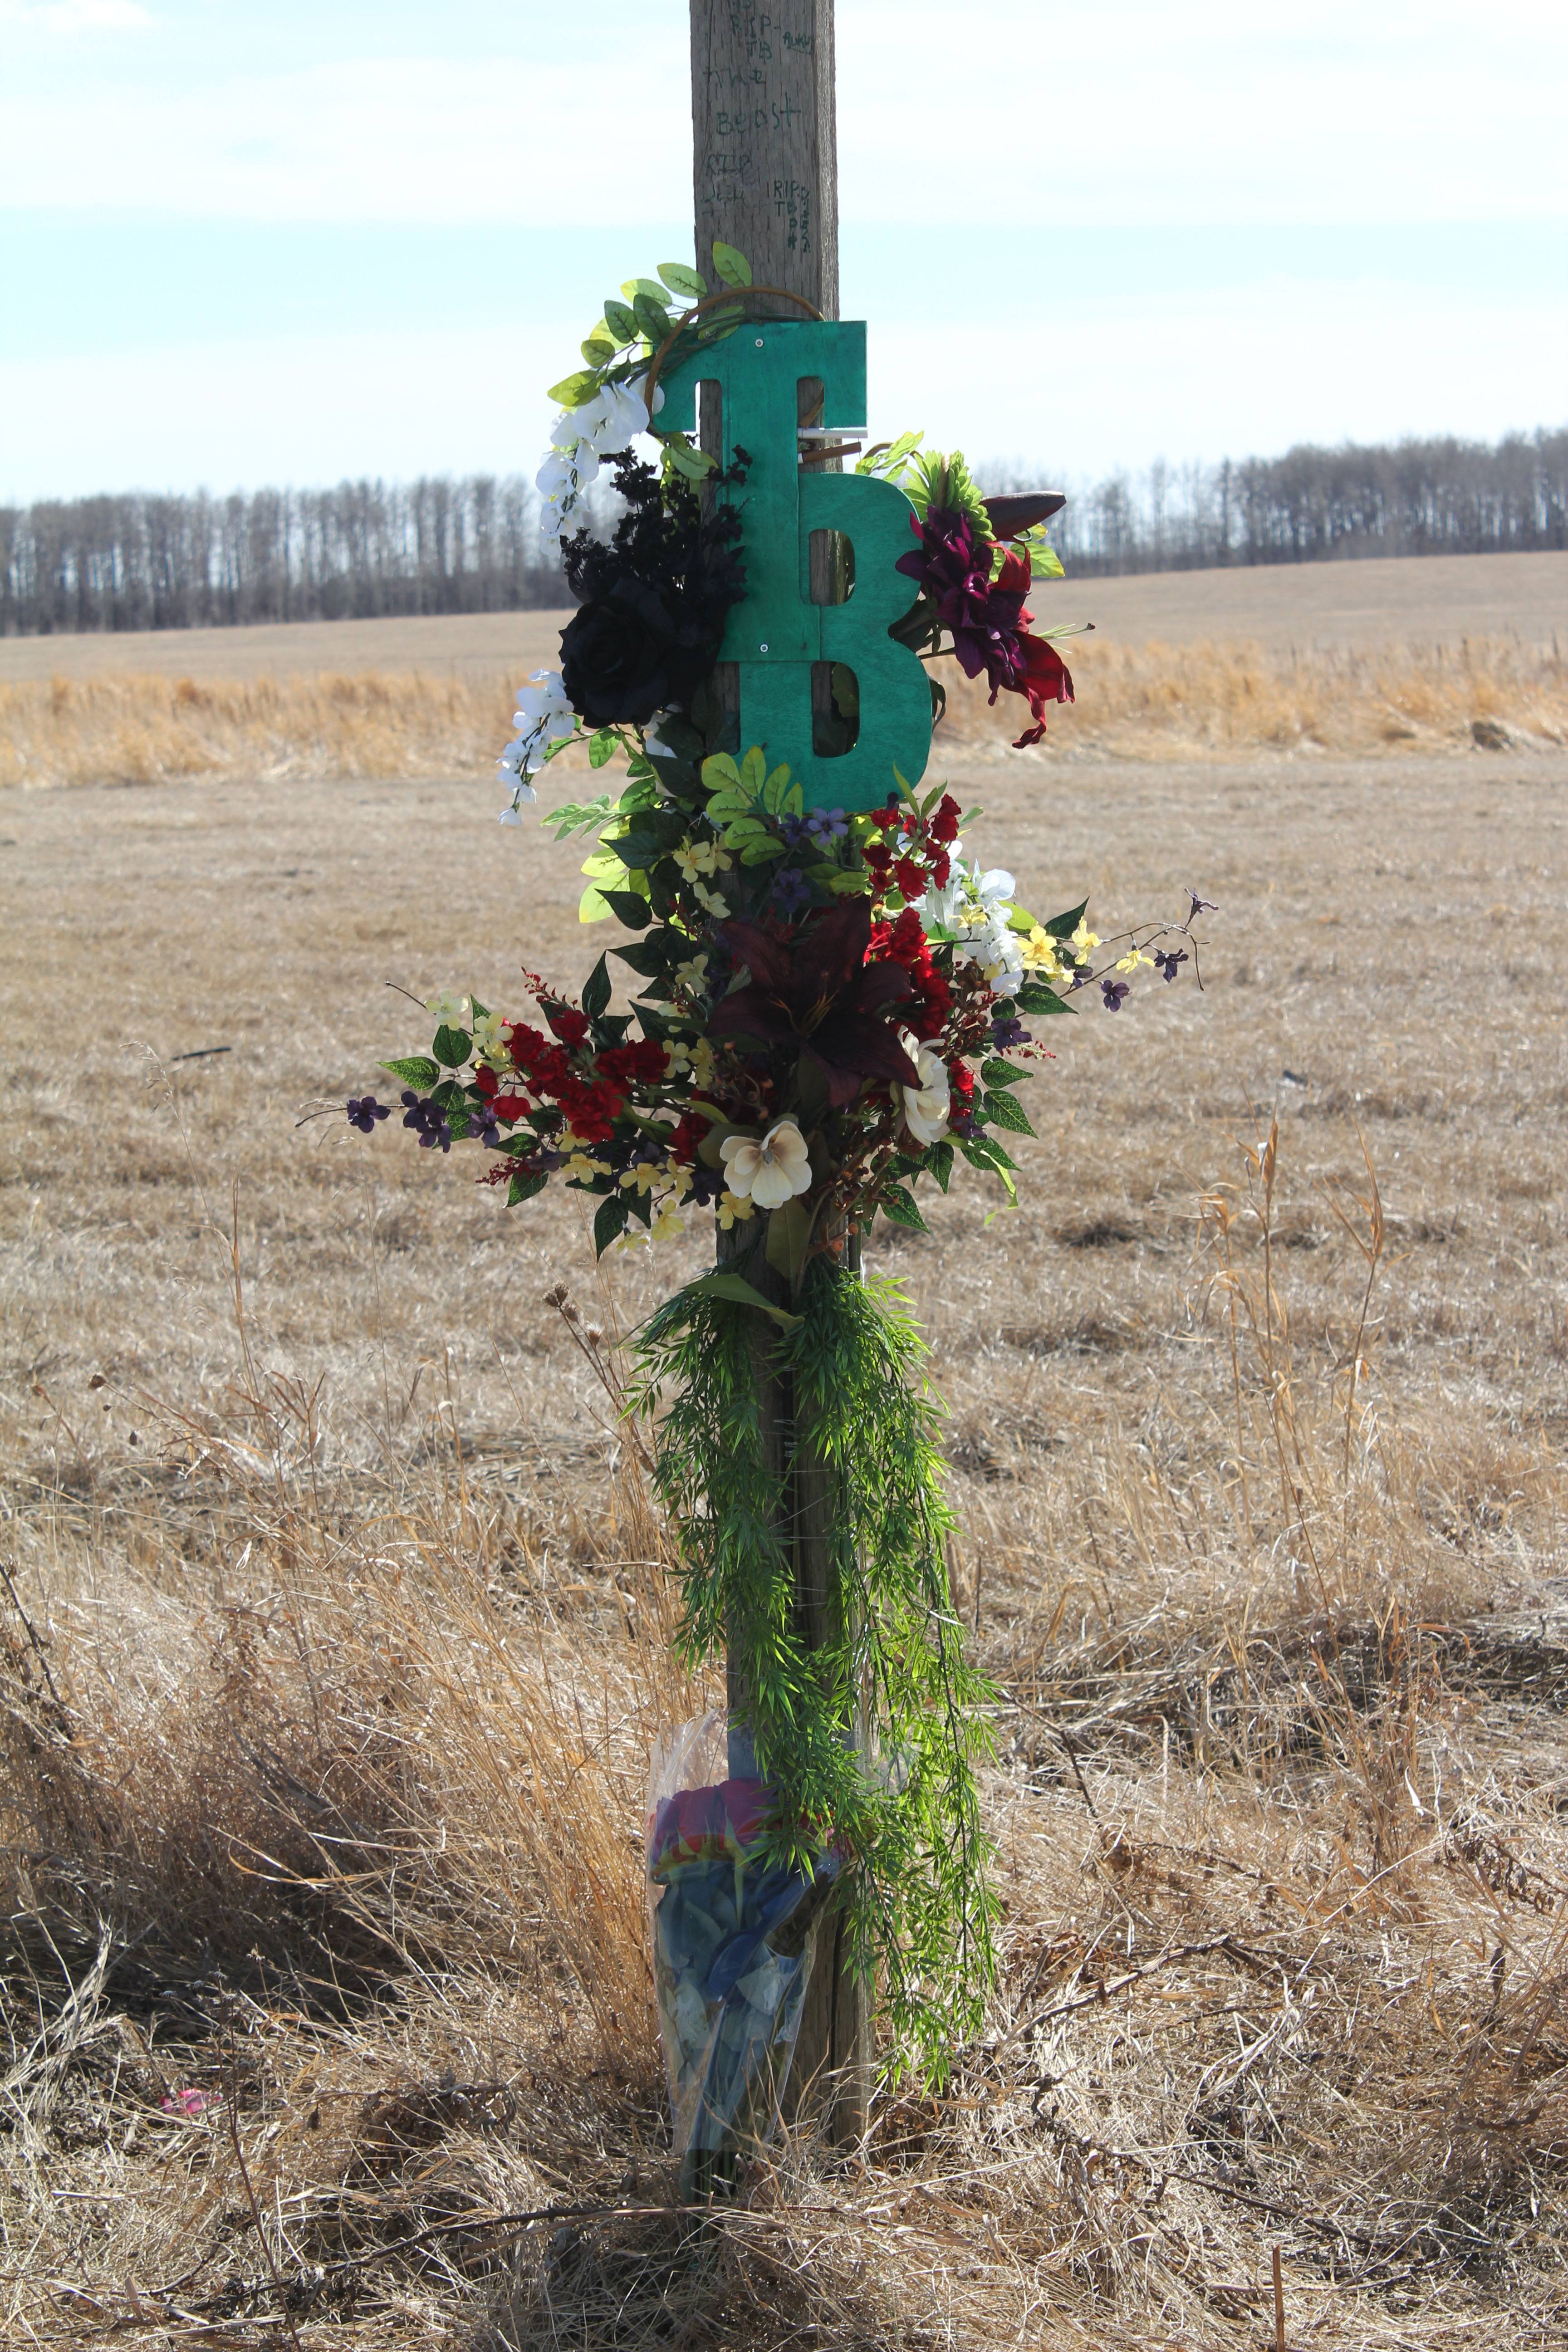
x: 581, y: 438
x: 975, y: 909
x: 542, y: 717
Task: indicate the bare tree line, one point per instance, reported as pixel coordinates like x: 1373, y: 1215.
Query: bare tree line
x: 472, y: 545
x: 358, y: 551
x: 1415, y: 497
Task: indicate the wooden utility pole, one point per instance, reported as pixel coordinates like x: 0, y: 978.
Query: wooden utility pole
x: 766, y: 180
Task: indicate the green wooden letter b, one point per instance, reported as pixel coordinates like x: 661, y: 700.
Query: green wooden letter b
x: 777, y: 633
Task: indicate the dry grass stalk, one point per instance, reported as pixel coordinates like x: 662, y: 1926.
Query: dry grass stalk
x: 1138, y: 701
x: 335, y: 1629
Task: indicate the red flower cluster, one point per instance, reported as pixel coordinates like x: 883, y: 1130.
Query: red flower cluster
x: 904, y: 942
x: 591, y: 1105
x: 924, y: 862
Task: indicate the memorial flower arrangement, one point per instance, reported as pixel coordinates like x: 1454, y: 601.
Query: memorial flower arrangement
x: 830, y: 1008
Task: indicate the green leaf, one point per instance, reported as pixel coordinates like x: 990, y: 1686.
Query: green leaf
x: 648, y: 286
x: 452, y: 1046
x: 1062, y: 927
x: 524, y: 1188
x: 998, y: 1073
x: 577, y: 817
x: 789, y: 1238
x: 734, y: 1286
x: 644, y: 958
x: 731, y: 265
x: 898, y: 1207
x: 986, y: 1151
x: 694, y: 464
x: 1001, y: 1110
x: 414, y: 1070
x: 1045, y: 563
x: 609, y: 1222
x: 774, y: 791
x: 603, y: 747
x: 620, y: 322
x: 596, y: 990
x: 592, y: 906
x: 940, y: 1162
x: 754, y: 771
x: 1033, y: 997
x: 682, y: 279
x: 719, y: 771
x: 842, y: 885
x: 652, y: 317
x: 573, y: 390
x: 598, y: 349
x: 758, y: 853
x: 629, y: 909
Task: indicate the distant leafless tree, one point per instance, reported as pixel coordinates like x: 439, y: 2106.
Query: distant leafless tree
x: 440, y: 545
x: 360, y: 550
x: 1417, y: 498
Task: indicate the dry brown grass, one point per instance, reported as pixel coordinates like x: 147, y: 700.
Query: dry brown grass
x: 336, y: 1633
x: 1135, y: 701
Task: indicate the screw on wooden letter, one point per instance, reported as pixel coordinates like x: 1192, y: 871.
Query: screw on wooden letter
x: 778, y: 632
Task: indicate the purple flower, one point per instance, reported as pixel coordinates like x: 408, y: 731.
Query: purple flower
x: 363, y: 1112
x: 425, y: 1117
x: 1114, y: 993
x: 824, y: 825
x: 986, y: 616
x: 707, y: 1183
x: 791, y: 890
x: 1200, y: 906
x: 485, y: 1127
x: 1006, y: 1034
x: 1167, y: 960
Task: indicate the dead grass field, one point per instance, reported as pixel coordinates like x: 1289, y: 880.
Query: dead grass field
x: 333, y: 1638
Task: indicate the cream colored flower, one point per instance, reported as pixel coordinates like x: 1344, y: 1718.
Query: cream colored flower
x: 668, y: 1223
x: 772, y: 1171
x: 692, y: 976
x: 733, y: 1211
x: 447, y: 1010
x: 490, y: 1046
x: 926, y: 1113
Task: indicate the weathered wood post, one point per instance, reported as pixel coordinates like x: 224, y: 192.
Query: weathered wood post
x: 764, y: 178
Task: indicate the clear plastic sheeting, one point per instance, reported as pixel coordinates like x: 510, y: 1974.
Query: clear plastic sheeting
x: 734, y: 1937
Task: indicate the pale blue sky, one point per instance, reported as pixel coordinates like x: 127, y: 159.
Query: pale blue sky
x: 287, y: 242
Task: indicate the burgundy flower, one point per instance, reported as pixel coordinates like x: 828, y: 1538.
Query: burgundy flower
x: 984, y: 614
x: 1047, y: 679
x: 818, y: 992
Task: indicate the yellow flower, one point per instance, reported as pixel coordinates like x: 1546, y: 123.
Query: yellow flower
x: 1039, y: 953
x: 1084, y: 939
x: 703, y: 1062
x: 641, y: 1178
x: 710, y: 898
x: 692, y: 975
x: 695, y: 857
x: 1133, y: 958
x: 677, y: 1058
x: 668, y: 1223
x: 581, y: 1163
x: 733, y: 1211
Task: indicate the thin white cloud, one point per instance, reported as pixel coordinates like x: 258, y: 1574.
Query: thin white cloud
x: 1134, y: 111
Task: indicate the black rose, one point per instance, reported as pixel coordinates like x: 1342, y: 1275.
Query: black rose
x: 630, y: 652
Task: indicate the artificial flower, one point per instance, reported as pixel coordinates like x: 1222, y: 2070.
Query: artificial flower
x: 1039, y: 954
x: 668, y: 1224
x: 772, y: 1171
x: 448, y: 1010
x: 927, y: 1107
x: 817, y: 994
x: 734, y: 1209
x: 490, y: 1043
x: 1084, y: 940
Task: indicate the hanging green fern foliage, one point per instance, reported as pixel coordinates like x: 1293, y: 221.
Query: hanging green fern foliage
x: 870, y: 1723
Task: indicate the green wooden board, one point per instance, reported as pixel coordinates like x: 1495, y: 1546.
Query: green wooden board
x: 776, y: 633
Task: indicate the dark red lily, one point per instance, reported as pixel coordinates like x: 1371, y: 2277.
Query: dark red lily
x: 816, y: 991
x: 1047, y: 679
